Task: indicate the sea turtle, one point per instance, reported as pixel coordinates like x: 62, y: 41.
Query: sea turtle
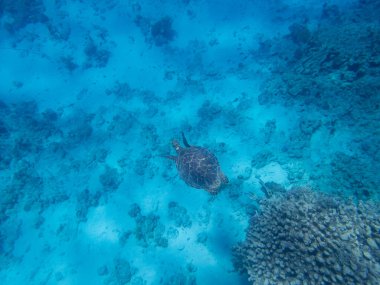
x: 198, y: 167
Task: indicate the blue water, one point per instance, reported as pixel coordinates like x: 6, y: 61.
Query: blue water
x: 283, y: 92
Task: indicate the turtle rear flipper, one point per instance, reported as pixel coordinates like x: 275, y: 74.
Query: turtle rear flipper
x: 185, y: 140
x: 224, y: 179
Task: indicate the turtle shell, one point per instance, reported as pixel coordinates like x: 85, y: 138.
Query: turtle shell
x: 199, y: 168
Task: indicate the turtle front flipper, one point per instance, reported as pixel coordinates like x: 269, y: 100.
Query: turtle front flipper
x: 185, y: 140
x: 172, y: 157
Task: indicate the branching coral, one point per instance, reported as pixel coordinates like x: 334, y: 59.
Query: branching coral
x: 304, y: 237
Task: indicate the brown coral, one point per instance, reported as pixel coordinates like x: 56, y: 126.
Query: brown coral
x: 305, y: 237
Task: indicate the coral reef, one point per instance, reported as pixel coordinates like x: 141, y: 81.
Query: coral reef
x: 209, y: 111
x: 134, y: 210
x: 353, y: 172
x: 85, y: 200
x: 269, y: 130
x: 305, y: 237
x: 22, y: 13
x: 121, y: 90
x: 141, y: 165
x: 299, y: 34
x: 122, y: 272
x: 162, y: 31
x: 96, y: 54
x: 324, y: 70
x: 110, y: 178
x: 149, y: 230
x: 123, y: 237
x: 79, y: 128
x: 179, y: 215
x: 180, y: 278
x: 202, y: 237
x: 69, y: 63
x: 262, y: 158
x: 121, y: 123
x: 332, y: 72
x: 9, y: 233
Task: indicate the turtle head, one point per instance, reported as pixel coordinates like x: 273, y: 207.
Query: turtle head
x: 176, y: 145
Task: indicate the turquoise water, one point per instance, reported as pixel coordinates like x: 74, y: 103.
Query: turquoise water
x: 284, y: 93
